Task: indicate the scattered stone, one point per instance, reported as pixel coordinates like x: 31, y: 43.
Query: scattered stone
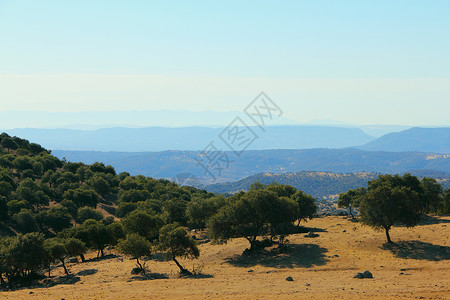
x: 402, y: 269
x: 31, y: 293
x: 344, y: 230
x: 367, y: 274
x: 250, y: 271
x: 307, y: 284
x: 401, y: 273
x: 311, y: 235
x: 289, y: 278
x: 335, y: 255
x: 195, y: 237
x: 136, y: 271
x: 358, y: 275
x: 73, y: 260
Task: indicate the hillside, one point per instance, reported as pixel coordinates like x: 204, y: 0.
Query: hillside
x: 321, y: 268
x: 169, y: 164
x: 191, y: 138
x: 41, y: 193
x: 434, y: 140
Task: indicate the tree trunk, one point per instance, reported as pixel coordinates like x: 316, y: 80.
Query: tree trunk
x: 387, y: 235
x: 64, y: 266
x: 140, y: 266
x: 351, y: 213
x: 182, y: 270
x: 82, y: 258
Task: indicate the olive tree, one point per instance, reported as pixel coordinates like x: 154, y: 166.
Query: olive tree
x: 175, y: 241
x: 136, y: 246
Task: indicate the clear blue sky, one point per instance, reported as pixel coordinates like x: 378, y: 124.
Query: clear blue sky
x: 366, y: 62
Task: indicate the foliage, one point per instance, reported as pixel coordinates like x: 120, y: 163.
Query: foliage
x: 56, y: 218
x: 199, y: 210
x: 86, y: 213
x: 143, y: 224
x: 175, y: 241
x: 136, y: 246
x: 390, y: 200
x: 351, y: 199
x: 252, y: 213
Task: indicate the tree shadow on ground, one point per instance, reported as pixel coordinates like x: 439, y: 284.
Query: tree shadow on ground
x: 199, y: 276
x: 150, y: 276
x: 313, y: 229
x: 44, y: 283
x: 418, y: 250
x: 87, y: 272
x: 104, y: 257
x: 430, y: 220
x: 295, y: 256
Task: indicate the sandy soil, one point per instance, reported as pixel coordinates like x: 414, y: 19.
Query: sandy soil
x: 418, y: 267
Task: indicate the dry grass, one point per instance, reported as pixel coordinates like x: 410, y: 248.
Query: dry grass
x: 417, y: 267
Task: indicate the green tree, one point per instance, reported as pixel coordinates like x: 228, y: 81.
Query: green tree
x: 444, y: 205
x: 3, y: 209
x: 57, y: 252
x: 306, y: 206
x: 23, y: 255
x: 95, y: 234
x: 136, y: 246
x: 143, y: 224
x: 82, y: 197
x: 250, y: 214
x: 9, y: 144
x: 75, y: 247
x: 33, y: 193
x: 384, y: 206
x: 86, y: 213
x: 25, y: 221
x: 432, y: 194
x: 100, y: 185
x: 57, y: 218
x: 199, y: 210
x: 351, y: 199
x: 6, y: 189
x: 175, y: 241
x: 116, y: 232
x: 124, y: 208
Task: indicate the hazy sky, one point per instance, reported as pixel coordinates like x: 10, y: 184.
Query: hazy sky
x: 366, y: 62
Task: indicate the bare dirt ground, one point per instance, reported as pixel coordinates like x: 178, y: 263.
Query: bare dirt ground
x: 417, y: 267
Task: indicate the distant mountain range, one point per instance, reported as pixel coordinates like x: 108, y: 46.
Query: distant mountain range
x: 90, y: 120
x: 435, y: 140
x: 191, y: 138
x: 317, y: 184
x: 168, y: 164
